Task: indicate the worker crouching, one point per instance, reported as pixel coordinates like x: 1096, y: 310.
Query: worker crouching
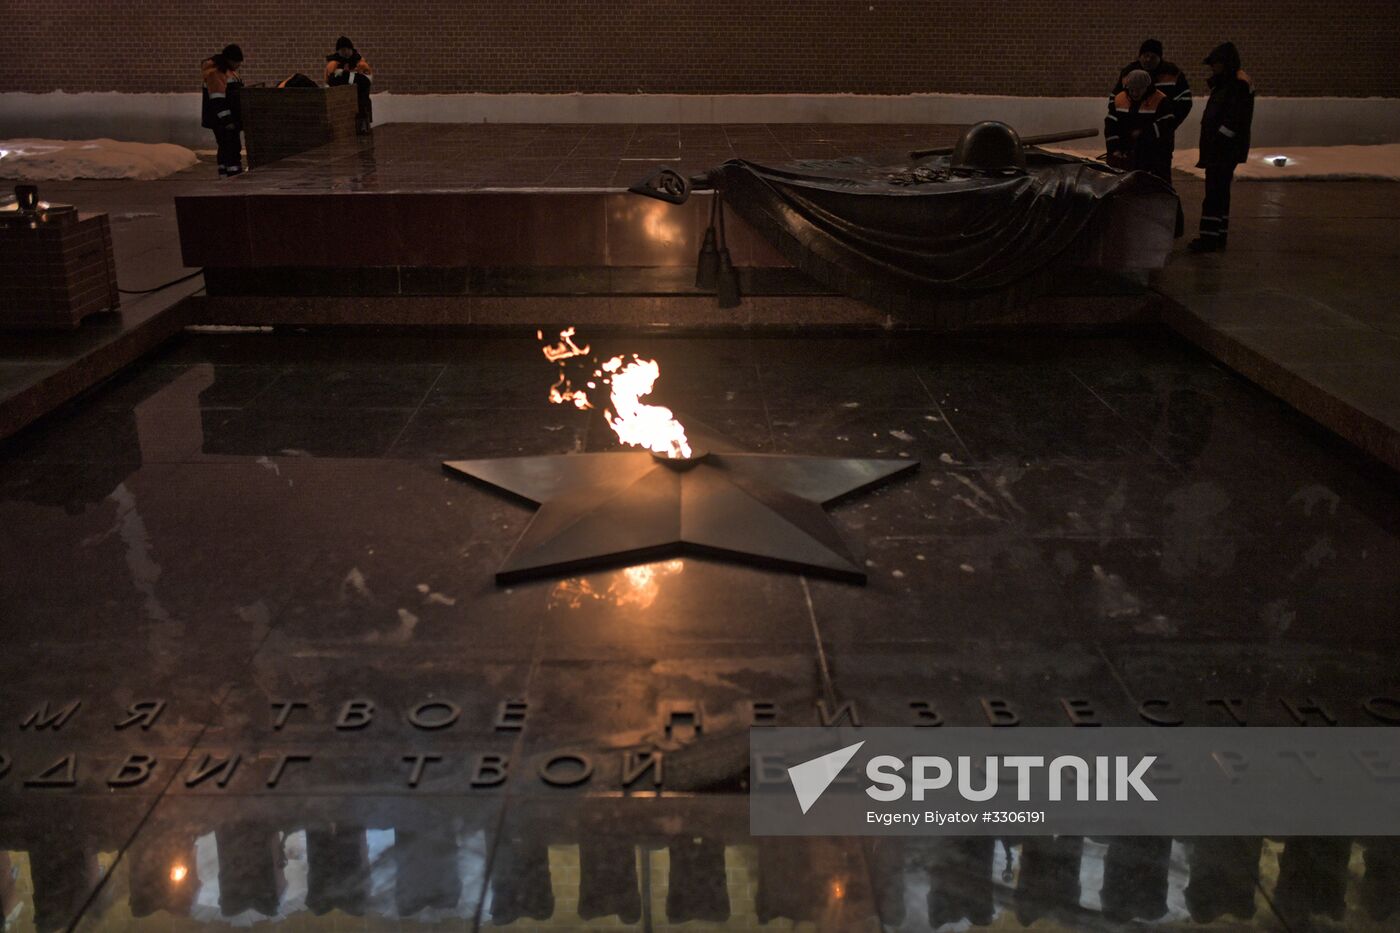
x: 1137, y: 128
x: 348, y: 66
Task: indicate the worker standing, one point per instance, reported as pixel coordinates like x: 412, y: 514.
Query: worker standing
x: 222, y: 112
x: 347, y: 66
x: 1137, y: 128
x: 1225, y: 129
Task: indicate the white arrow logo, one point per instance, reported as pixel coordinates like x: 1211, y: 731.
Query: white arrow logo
x: 811, y: 778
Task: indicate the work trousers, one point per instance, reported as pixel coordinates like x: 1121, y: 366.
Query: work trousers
x: 228, y: 140
x: 1215, y: 211
x: 362, y: 87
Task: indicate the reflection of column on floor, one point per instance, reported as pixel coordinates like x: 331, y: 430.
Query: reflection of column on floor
x: 337, y: 869
x: 960, y: 878
x: 520, y: 882
x: 63, y: 875
x: 1048, y: 884
x: 1224, y: 872
x: 697, y: 888
x: 9, y: 888
x: 789, y: 884
x: 426, y: 877
x: 887, y: 872
x: 1312, y: 878
x: 251, y: 862
x: 169, y: 424
x: 607, y: 881
x: 1135, y: 870
x: 162, y: 872
x: 1380, y: 887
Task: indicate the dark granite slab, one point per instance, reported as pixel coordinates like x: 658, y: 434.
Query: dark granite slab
x: 255, y: 529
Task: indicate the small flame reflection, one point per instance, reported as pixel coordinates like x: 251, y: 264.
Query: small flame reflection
x: 637, y: 587
x: 178, y: 873
x: 565, y: 348
x: 635, y: 423
x: 656, y: 226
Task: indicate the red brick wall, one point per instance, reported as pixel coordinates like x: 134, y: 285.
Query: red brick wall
x: 1018, y: 47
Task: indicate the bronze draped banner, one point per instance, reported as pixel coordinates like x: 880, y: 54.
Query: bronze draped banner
x: 900, y: 234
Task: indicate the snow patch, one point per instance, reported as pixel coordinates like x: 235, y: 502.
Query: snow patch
x: 1300, y: 163
x: 1307, y: 163
x: 67, y: 159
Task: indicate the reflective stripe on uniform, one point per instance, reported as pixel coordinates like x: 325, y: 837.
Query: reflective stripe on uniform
x: 1228, y: 132
x: 1185, y: 93
x: 217, y: 95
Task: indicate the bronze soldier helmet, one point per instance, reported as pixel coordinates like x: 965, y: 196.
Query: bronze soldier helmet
x: 989, y: 148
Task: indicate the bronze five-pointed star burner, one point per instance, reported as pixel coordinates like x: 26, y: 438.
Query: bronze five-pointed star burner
x: 600, y: 509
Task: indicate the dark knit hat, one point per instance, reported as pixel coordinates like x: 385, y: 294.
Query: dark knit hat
x: 344, y: 43
x: 232, y: 52
x: 1151, y: 45
x: 1226, y: 54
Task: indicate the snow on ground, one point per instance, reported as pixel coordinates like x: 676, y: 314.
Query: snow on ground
x: 66, y: 159
x: 1301, y: 163
x: 1313, y: 163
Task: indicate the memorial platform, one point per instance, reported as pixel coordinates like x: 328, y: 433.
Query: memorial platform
x: 510, y: 224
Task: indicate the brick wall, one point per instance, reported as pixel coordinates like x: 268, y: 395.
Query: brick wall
x: 1017, y: 47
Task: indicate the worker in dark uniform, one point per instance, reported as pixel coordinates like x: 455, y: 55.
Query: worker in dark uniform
x: 348, y: 66
x: 1138, y: 127
x: 1167, y: 78
x: 1224, y: 142
x: 1171, y: 81
x: 221, y: 107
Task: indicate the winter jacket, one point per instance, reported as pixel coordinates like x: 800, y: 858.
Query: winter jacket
x: 1225, y: 124
x: 221, y: 89
x: 1171, y: 81
x: 1138, y: 126
x: 346, y: 70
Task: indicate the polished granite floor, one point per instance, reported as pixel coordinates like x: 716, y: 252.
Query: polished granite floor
x: 250, y: 540
x: 41, y: 369
x: 1303, y: 302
